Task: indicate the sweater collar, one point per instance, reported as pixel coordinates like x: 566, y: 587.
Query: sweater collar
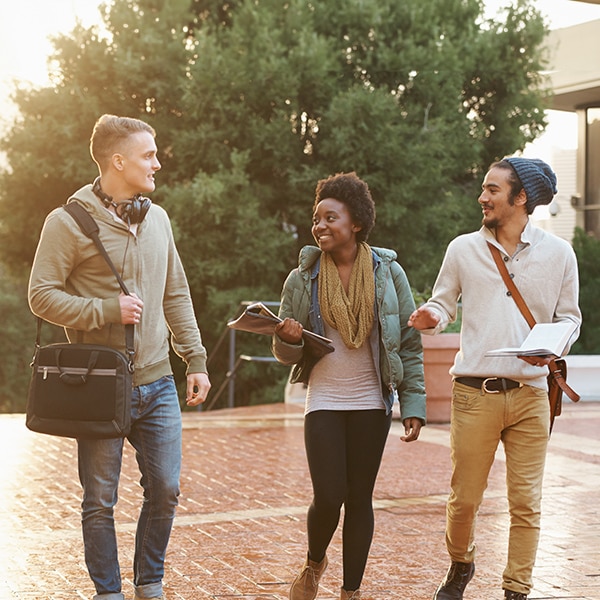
x: 529, y: 236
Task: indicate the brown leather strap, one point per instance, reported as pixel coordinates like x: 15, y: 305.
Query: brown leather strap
x: 516, y: 295
x: 560, y: 381
x: 510, y: 284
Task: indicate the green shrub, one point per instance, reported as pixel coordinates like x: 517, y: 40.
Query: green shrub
x: 587, y: 250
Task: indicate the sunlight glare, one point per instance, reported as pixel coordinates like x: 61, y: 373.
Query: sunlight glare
x: 24, y: 43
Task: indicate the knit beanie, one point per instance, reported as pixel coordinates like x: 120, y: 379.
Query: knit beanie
x: 538, y: 179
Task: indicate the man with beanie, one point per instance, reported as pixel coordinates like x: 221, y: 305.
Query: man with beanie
x: 500, y: 399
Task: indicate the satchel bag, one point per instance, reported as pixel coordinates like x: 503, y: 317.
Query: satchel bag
x: 557, y: 376
x: 82, y: 390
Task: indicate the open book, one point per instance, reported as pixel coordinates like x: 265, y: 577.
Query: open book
x: 544, y: 339
x: 257, y: 318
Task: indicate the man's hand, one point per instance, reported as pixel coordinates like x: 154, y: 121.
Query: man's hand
x: 537, y: 361
x: 412, y: 428
x: 131, y: 309
x: 198, y: 386
x: 423, y: 318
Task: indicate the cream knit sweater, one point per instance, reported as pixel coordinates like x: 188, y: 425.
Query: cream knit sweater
x: 545, y: 272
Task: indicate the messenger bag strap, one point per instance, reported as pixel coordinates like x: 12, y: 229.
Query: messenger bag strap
x: 90, y: 228
x: 520, y: 302
x: 510, y: 284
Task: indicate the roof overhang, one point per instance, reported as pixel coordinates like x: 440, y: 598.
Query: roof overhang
x: 575, y: 65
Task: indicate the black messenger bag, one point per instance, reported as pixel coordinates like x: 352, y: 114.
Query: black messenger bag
x: 82, y: 390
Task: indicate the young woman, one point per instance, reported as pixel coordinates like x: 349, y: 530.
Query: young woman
x: 360, y: 298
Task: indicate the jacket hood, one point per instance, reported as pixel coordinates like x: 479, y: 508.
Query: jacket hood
x: 86, y: 197
x: 310, y: 254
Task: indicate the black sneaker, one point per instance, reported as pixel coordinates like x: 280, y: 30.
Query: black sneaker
x: 455, y: 582
x: 510, y: 595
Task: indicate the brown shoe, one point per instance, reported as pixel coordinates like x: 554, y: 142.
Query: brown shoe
x: 456, y: 580
x: 510, y: 595
x: 306, y: 584
x: 349, y: 595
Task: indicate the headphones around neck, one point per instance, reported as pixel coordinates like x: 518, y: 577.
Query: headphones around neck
x: 132, y: 211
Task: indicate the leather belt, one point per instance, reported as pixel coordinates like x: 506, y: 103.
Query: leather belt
x: 491, y: 385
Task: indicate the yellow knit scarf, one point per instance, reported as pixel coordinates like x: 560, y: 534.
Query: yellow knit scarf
x: 352, y: 313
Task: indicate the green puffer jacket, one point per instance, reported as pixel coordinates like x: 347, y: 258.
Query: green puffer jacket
x: 397, y: 350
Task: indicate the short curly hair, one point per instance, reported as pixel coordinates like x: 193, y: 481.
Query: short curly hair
x: 352, y: 191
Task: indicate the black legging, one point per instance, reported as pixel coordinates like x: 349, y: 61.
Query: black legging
x: 344, y: 450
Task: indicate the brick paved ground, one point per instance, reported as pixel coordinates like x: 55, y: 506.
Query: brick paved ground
x: 240, y: 529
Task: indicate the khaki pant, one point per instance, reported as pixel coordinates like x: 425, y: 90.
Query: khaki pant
x: 520, y: 418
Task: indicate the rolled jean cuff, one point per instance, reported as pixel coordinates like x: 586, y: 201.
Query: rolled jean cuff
x: 149, y: 590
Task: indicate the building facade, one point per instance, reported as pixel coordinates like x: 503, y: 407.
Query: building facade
x: 575, y: 82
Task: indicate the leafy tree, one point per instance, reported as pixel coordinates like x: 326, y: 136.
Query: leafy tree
x: 18, y: 335
x: 254, y: 101
x: 17, y: 339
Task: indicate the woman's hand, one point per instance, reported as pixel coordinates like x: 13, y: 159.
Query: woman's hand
x: 290, y: 331
x: 412, y: 428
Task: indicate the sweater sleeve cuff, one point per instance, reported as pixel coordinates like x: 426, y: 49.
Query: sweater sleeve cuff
x: 196, y: 365
x: 441, y: 325
x: 111, y: 310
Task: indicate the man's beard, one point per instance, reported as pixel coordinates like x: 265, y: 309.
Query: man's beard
x: 489, y: 222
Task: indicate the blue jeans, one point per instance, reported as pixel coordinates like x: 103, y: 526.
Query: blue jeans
x: 156, y: 437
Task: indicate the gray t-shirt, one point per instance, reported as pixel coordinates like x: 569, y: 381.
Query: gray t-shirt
x: 345, y: 379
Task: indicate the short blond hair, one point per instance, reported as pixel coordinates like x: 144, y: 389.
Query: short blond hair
x: 110, y: 132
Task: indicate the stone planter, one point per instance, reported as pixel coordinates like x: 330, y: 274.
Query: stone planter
x: 438, y: 356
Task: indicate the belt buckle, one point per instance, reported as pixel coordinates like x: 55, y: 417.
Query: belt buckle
x: 484, y: 385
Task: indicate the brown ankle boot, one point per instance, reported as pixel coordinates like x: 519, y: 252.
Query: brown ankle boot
x: 346, y: 595
x: 306, y: 584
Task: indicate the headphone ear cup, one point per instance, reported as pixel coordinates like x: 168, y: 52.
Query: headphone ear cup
x: 134, y: 210
x: 145, y: 204
x: 141, y: 206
